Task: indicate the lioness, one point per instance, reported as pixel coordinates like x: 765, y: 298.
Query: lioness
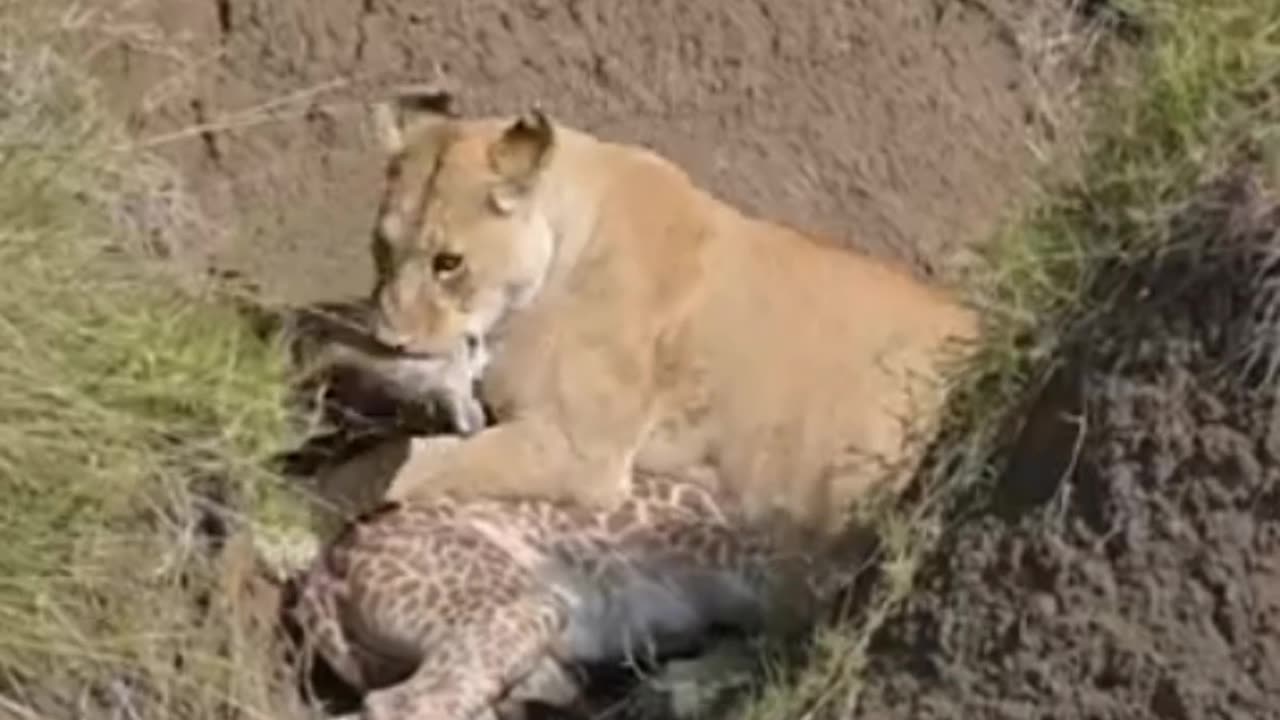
x: 636, y: 320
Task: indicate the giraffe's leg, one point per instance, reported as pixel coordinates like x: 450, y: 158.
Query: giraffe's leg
x: 550, y: 683
x: 485, y: 657
x: 317, y: 615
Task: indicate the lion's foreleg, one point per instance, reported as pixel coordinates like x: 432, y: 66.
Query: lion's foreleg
x: 523, y: 458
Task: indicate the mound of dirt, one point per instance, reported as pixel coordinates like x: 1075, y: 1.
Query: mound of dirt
x: 1142, y: 578
x: 904, y: 128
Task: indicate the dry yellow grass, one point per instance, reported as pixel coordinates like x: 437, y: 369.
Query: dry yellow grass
x: 131, y: 408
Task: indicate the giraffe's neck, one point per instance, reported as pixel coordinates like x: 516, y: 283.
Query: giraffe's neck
x: 649, y: 576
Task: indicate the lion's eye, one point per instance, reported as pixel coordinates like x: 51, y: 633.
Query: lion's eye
x: 446, y: 262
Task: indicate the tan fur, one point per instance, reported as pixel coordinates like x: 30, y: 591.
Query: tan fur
x: 636, y: 321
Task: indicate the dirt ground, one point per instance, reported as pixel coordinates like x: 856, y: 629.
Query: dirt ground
x: 1129, y: 566
x: 903, y: 128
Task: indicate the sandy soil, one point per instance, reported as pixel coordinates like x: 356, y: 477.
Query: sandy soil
x: 1128, y: 567
x: 903, y: 128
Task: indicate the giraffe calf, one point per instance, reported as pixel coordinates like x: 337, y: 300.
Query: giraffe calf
x: 453, y: 610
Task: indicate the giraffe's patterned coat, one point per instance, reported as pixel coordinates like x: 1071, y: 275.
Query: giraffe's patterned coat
x: 448, y: 609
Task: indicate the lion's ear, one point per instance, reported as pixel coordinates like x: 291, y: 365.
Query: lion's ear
x: 524, y: 148
x: 411, y: 109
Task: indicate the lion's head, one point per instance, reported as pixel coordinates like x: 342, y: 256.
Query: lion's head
x: 458, y: 241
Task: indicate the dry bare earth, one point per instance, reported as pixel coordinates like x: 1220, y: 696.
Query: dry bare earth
x: 904, y: 128
x: 1128, y: 565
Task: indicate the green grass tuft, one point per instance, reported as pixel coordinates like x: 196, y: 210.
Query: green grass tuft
x: 126, y: 401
